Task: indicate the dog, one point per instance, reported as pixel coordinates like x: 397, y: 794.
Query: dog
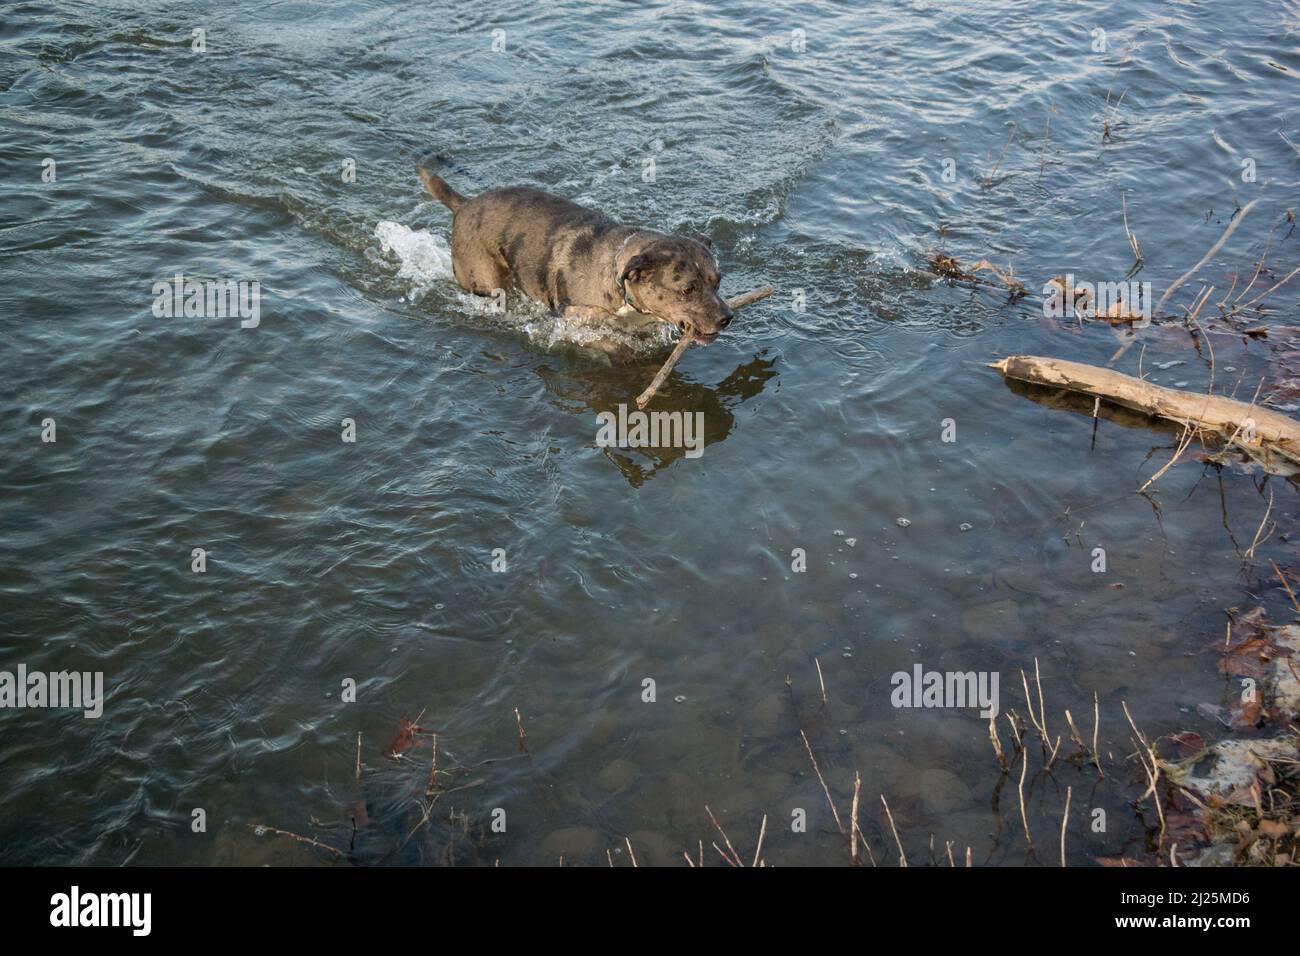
x: 580, y: 263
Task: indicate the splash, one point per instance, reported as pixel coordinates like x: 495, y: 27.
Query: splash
x: 423, y: 257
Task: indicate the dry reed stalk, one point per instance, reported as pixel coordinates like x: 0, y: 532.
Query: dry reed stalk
x: 632, y: 855
x: 1096, y: 726
x: 1042, y: 710
x: 734, y: 855
x: 433, y: 770
x: 1069, y: 792
x: 1147, y: 751
x: 1184, y: 442
x: 1024, y: 817
x: 758, y: 850
x: 1075, y: 737
x: 1232, y: 226
x: 1282, y: 578
x: 1015, y: 731
x: 997, y: 743
x: 902, y: 857
x: 1029, y: 703
x: 294, y: 836
x: 1257, y: 541
x: 1287, y: 278
x: 1132, y: 239
x: 519, y: 722
x: 820, y: 679
x: 825, y: 789
x: 853, y: 819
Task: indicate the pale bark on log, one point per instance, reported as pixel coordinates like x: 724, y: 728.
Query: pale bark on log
x: 1250, y: 426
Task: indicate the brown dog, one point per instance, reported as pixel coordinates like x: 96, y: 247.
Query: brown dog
x: 579, y: 262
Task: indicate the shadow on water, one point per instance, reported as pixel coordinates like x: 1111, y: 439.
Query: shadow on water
x: 590, y: 391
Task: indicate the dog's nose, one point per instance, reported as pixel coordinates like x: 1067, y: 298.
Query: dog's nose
x: 724, y: 322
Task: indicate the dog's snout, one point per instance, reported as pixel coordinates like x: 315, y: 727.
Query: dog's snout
x: 724, y: 321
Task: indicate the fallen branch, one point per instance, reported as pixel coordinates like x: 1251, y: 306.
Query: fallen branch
x: 1247, y: 425
x: 736, y: 302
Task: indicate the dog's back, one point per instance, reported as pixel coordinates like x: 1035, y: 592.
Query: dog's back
x: 526, y: 234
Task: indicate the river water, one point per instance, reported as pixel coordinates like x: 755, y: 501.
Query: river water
x: 824, y: 148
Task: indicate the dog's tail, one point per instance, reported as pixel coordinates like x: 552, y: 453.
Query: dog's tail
x: 440, y: 190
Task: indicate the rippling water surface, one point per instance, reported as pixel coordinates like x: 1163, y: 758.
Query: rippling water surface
x: 820, y: 171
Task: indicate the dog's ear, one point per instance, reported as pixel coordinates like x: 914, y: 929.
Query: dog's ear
x: 637, y: 268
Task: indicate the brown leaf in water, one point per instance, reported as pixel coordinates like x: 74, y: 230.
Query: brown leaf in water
x: 405, y: 739
x: 1253, y: 657
x: 1240, y: 716
x: 1184, y: 744
x: 1185, y: 828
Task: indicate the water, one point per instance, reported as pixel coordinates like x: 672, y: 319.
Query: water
x: 371, y: 561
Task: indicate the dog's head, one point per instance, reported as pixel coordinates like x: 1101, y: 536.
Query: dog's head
x: 676, y: 280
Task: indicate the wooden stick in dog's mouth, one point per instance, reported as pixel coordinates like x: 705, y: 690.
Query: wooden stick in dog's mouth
x: 688, y: 336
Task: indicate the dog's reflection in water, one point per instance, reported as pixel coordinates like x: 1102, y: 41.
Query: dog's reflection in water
x: 591, y: 391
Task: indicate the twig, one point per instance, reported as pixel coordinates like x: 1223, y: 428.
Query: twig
x: 987, y: 181
x: 1250, y: 552
x: 1024, y: 817
x: 1132, y: 239
x: 736, y: 302
x: 1232, y: 226
x: 1152, y: 772
x: 519, y: 722
x: 1069, y: 791
x: 683, y: 344
x: 294, y: 836
x: 1285, y: 278
x: 725, y: 839
x: 1282, y: 578
x: 1258, y: 267
x: 902, y: 857
x: 758, y: 850
x: 997, y: 743
x: 853, y: 819
x: 825, y: 789
x: 1183, y: 443
x: 820, y: 679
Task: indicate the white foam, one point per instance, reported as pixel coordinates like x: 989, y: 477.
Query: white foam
x: 423, y: 257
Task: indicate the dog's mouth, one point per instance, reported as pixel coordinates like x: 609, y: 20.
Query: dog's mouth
x: 704, y: 338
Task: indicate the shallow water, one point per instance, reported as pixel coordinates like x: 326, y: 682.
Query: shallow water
x: 819, y: 171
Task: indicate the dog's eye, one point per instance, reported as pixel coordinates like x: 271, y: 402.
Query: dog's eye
x: 690, y: 289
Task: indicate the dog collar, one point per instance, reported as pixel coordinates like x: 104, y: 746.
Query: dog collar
x: 627, y: 297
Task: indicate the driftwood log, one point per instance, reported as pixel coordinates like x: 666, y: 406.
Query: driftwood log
x: 1250, y: 426
x: 736, y: 302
